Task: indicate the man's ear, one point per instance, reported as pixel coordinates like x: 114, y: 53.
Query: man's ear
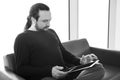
x: 33, y: 20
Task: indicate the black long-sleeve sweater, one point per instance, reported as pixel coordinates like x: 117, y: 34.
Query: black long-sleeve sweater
x: 36, y: 52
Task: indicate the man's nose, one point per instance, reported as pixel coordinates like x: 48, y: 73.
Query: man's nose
x: 48, y: 24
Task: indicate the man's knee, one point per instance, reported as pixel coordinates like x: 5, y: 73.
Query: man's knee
x: 96, y: 72
x: 97, y: 67
x: 48, y: 78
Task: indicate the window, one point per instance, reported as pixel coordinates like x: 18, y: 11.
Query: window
x: 93, y: 22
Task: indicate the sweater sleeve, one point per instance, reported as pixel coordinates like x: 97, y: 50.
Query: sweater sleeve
x: 23, y: 67
x: 67, y: 56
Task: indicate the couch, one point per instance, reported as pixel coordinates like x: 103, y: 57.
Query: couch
x: 109, y: 58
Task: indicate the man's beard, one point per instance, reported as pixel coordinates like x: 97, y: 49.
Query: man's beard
x: 44, y: 28
x: 37, y: 28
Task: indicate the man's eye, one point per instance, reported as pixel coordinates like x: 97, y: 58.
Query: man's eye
x: 45, y: 20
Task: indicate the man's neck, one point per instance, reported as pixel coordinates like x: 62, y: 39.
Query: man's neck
x: 32, y: 28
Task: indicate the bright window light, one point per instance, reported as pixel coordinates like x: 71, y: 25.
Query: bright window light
x: 93, y: 22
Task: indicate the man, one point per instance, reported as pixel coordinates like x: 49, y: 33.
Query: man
x: 39, y: 53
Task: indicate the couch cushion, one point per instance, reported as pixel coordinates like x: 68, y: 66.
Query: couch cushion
x: 4, y: 76
x: 110, y: 72
x: 117, y: 77
x: 77, y: 47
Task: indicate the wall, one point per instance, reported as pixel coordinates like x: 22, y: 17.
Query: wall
x: 117, y: 36
x: 114, y: 25
x: 73, y: 19
x: 13, y: 16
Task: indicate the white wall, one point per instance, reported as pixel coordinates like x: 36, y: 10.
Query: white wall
x: 13, y: 16
x: 117, y: 42
x: 112, y: 24
x: 114, y: 30
x: 73, y: 19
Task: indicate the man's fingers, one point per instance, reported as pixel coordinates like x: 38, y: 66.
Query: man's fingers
x: 94, y: 56
x: 59, y: 67
x: 57, y: 73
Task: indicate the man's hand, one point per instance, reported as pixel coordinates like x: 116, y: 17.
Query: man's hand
x: 57, y: 73
x: 94, y: 57
x: 88, y: 58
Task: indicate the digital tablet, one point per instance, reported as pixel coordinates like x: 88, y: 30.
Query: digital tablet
x: 80, y: 67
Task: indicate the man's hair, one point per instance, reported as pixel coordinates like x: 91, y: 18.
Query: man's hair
x: 34, y: 12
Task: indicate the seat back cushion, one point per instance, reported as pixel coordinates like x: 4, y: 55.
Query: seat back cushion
x: 77, y: 47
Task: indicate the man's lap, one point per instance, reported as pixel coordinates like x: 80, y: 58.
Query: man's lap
x: 48, y: 78
x: 94, y: 73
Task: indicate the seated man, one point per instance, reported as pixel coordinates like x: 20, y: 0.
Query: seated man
x: 40, y: 55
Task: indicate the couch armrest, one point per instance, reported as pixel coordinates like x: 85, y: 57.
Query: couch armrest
x: 106, y: 56
x: 14, y: 76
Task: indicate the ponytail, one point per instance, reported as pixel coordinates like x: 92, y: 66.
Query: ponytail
x: 28, y: 23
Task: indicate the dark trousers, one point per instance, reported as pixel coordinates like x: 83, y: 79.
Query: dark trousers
x: 95, y: 73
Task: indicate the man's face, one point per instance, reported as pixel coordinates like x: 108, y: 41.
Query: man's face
x: 43, y: 21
